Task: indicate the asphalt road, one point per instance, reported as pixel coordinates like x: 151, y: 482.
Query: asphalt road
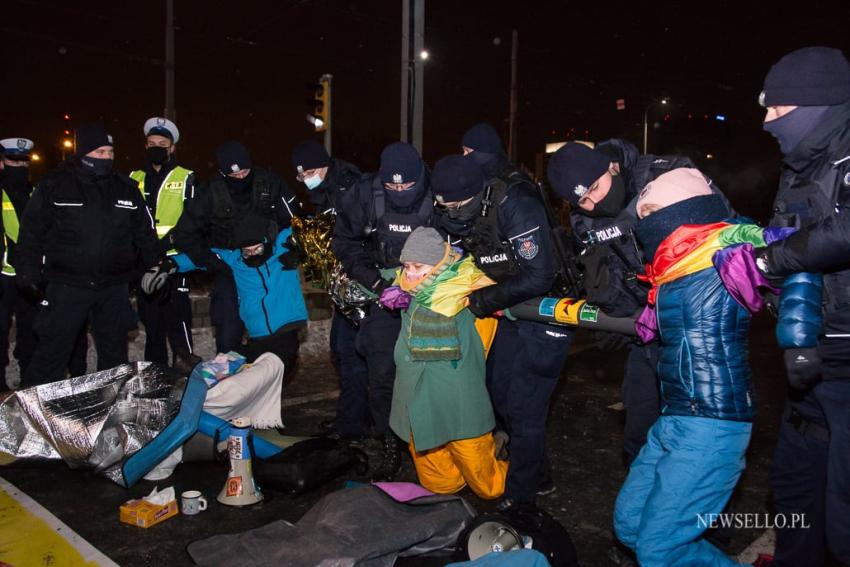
x: 585, y: 435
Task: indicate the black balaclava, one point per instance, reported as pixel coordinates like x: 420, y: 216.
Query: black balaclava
x: 790, y: 129
x: 97, y: 167
x: 459, y: 221
x: 653, y: 229
x: 403, y: 201
x: 613, y: 203
x: 240, y: 186
x: 259, y: 259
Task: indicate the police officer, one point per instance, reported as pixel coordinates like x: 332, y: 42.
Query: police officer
x: 504, y: 224
x: 16, y: 189
x: 239, y: 189
x: 377, y: 216
x: 81, y: 233
x: 326, y: 180
x: 807, y: 97
x: 165, y: 186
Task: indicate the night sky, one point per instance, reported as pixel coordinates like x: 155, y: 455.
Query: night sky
x: 242, y: 70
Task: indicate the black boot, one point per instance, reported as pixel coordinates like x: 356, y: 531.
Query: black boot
x: 184, y: 361
x: 390, y: 459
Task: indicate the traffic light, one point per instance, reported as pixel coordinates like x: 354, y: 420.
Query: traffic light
x: 321, y: 103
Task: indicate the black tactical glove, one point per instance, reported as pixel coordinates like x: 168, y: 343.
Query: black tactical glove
x: 157, y: 276
x: 218, y: 266
x: 290, y: 259
x: 803, y: 367
x: 31, y: 288
x: 475, y: 306
x: 379, y: 286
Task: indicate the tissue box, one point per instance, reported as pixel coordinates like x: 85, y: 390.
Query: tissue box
x: 144, y: 514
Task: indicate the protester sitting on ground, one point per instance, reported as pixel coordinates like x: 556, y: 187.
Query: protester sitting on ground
x: 440, y: 404
x: 703, y: 289
x: 271, y: 304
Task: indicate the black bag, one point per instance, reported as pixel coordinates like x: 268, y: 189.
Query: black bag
x: 309, y: 464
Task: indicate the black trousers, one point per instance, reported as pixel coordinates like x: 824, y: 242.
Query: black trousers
x: 224, y: 312
x: 376, y: 342
x: 283, y: 343
x: 641, y: 397
x: 12, y: 303
x: 58, y: 329
x: 167, y: 317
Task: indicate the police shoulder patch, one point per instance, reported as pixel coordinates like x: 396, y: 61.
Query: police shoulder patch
x: 527, y: 247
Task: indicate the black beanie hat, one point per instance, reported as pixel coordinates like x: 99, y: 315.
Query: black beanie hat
x: 309, y: 155
x: 250, y: 230
x: 811, y: 76
x: 400, y: 163
x: 231, y: 157
x: 90, y: 137
x: 483, y: 138
x: 574, y: 168
x: 456, y: 178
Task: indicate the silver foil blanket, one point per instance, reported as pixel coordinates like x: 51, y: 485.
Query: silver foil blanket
x: 93, y: 421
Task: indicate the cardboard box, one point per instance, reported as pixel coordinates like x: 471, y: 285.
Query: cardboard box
x: 144, y: 514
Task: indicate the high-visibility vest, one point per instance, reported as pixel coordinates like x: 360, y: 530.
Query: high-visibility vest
x: 11, y: 228
x: 169, y: 199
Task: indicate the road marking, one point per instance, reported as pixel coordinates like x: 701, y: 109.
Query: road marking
x: 31, y: 535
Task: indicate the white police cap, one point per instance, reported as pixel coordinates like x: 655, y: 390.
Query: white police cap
x: 17, y: 148
x: 162, y: 127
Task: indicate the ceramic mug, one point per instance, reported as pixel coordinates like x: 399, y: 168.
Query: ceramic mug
x: 192, y: 502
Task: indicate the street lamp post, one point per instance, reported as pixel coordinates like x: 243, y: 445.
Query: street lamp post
x: 646, y: 120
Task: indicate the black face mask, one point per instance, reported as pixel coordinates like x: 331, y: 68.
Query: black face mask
x: 614, y: 201
x: 96, y: 166
x: 157, y: 155
x: 259, y: 259
x: 238, y: 185
x: 16, y: 175
x: 459, y: 221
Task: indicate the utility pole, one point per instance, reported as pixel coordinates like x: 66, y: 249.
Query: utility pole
x: 512, y: 131
x: 404, y: 136
x: 418, y: 72
x: 170, y: 108
x: 326, y: 80
x: 412, y: 71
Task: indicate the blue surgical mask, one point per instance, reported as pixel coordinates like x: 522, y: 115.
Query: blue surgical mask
x: 312, y: 182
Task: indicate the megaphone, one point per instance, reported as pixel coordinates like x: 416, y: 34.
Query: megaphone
x: 240, y: 488
x: 488, y: 534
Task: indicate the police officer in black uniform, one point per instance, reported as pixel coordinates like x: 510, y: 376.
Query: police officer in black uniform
x: 376, y: 218
x: 209, y: 219
x: 166, y: 186
x: 326, y: 181
x: 505, y: 226
x: 601, y: 184
x: 807, y: 99
x: 81, y: 233
x: 16, y: 189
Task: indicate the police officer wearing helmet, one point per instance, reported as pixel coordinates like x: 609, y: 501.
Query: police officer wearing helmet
x: 16, y: 189
x: 81, y: 234
x: 376, y: 217
x: 502, y: 221
x: 326, y: 180
x: 807, y: 100
x: 166, y: 186
x: 240, y: 188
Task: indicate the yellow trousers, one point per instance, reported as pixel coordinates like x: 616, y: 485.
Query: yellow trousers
x: 486, y: 328
x: 450, y: 467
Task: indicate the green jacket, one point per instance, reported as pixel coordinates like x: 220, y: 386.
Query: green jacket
x: 441, y: 401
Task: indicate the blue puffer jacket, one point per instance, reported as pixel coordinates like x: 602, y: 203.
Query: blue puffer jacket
x: 269, y: 297
x: 704, y: 366
x: 800, y: 317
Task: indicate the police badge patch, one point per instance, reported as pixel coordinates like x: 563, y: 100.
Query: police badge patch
x: 847, y: 179
x: 527, y: 247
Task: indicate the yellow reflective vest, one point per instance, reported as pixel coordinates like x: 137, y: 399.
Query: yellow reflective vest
x: 11, y: 228
x: 169, y: 199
